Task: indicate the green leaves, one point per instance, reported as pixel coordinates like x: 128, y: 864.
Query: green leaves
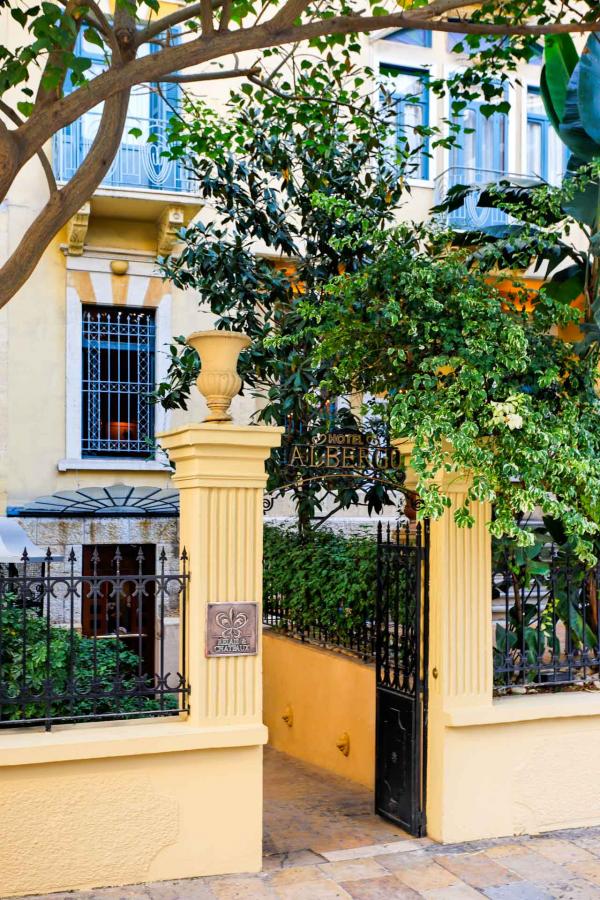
x: 476, y: 378
x: 560, y: 59
x: 572, y: 130
x: 89, y: 663
x: 567, y: 285
x: 589, y: 93
x: 306, y: 173
x: 322, y: 579
x: 584, y: 203
x: 569, y: 88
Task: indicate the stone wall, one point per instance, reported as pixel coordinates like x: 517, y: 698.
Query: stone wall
x: 348, y: 525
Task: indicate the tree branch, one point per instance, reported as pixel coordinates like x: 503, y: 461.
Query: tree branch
x: 292, y: 10
x: 212, y: 76
x: 103, y: 24
x: 154, y: 67
x: 45, y: 162
x: 206, y: 17
x: 438, y: 8
x: 32, y: 135
x: 225, y: 15
x: 64, y: 203
x: 191, y: 11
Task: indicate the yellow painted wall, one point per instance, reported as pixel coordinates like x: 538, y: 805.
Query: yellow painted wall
x: 526, y: 765
x: 138, y: 814
x: 329, y: 694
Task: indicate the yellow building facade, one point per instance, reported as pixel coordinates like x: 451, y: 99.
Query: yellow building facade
x: 79, y: 345
x: 103, y: 263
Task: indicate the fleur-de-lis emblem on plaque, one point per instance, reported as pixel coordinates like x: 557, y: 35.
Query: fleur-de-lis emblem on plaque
x: 231, y: 622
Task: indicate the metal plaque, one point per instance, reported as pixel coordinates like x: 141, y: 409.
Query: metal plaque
x: 231, y: 629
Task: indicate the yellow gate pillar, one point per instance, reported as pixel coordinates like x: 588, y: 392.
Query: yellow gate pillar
x: 460, y: 673
x: 220, y: 474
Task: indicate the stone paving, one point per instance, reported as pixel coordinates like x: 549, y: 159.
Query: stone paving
x: 323, y: 842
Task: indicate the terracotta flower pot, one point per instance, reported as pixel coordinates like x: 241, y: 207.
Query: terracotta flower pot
x: 218, y: 381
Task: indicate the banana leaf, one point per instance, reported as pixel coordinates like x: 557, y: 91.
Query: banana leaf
x: 589, y: 80
x: 492, y: 234
x: 547, y: 101
x: 567, y: 284
x: 591, y: 333
x: 572, y: 131
x: 583, y: 207
x: 454, y: 199
x: 560, y: 59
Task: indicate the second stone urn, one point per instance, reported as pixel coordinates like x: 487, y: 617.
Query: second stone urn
x: 218, y: 381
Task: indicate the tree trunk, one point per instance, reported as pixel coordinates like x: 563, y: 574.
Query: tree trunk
x: 63, y: 204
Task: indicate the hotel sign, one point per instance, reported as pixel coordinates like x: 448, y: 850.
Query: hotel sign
x: 346, y: 452
x: 231, y: 629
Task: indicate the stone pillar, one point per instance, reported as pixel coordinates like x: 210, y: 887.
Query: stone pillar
x: 220, y: 474
x: 461, y: 605
x: 460, y: 673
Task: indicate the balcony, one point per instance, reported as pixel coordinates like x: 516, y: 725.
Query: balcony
x: 138, y: 166
x: 470, y: 216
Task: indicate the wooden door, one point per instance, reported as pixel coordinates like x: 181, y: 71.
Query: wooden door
x: 122, y: 605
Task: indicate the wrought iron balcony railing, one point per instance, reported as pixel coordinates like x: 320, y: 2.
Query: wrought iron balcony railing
x: 470, y: 216
x: 139, y: 162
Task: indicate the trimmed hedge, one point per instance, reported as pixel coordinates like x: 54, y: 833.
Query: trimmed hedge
x: 323, y: 580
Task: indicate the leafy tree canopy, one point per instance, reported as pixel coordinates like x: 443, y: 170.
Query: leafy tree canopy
x: 266, y: 246
x: 47, y: 83
x: 555, y: 230
x: 480, y: 382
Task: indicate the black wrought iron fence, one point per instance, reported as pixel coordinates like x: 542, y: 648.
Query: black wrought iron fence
x: 359, y: 641
x: 92, y: 645
x: 547, y: 626
x: 322, y: 589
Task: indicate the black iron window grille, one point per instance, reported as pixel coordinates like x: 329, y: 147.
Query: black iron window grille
x: 546, y: 621
x: 118, y: 377
x: 92, y: 647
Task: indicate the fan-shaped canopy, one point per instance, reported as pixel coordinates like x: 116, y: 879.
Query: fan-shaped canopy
x: 116, y: 500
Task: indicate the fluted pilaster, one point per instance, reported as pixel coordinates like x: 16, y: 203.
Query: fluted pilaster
x: 220, y: 472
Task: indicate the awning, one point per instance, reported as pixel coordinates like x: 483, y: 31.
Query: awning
x: 14, y: 541
x: 116, y: 500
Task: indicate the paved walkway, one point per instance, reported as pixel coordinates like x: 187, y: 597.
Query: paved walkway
x: 323, y: 842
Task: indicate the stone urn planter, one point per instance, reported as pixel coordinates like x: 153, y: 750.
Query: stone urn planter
x: 218, y: 381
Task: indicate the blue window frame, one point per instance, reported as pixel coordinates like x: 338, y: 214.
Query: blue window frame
x: 482, y: 145
x: 118, y: 361
x: 419, y: 37
x: 408, y: 90
x: 479, y: 157
x: 538, y: 135
x: 139, y: 162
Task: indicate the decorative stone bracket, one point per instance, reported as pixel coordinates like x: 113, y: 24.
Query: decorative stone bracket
x: 77, y: 228
x: 169, y: 223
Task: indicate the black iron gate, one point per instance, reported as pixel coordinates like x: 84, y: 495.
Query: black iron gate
x: 401, y: 667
